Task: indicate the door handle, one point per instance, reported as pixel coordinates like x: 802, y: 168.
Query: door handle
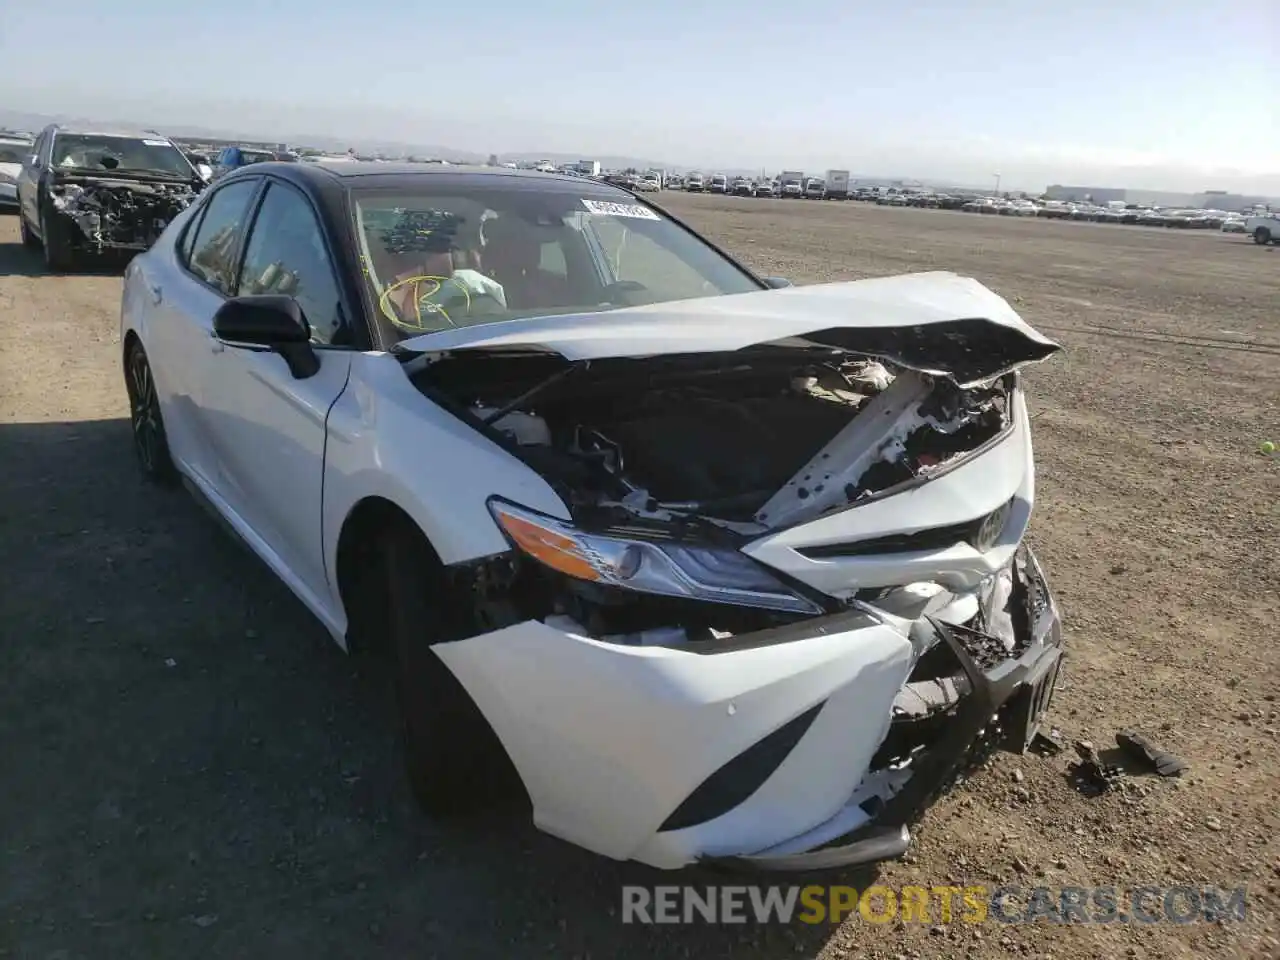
x: 216, y: 345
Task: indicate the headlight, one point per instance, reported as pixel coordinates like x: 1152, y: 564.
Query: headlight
x: 713, y: 574
x: 7, y: 178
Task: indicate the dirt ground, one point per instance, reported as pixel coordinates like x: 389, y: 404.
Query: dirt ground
x: 192, y: 769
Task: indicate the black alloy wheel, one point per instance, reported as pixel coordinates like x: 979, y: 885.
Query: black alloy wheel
x: 149, y: 440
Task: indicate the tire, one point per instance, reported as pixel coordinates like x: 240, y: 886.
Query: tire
x: 29, y: 239
x: 1262, y: 236
x: 454, y: 762
x: 58, y: 255
x: 150, y: 443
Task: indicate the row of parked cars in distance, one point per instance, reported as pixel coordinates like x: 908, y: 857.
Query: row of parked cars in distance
x: 1194, y: 219
x: 837, y: 186
x: 795, y: 185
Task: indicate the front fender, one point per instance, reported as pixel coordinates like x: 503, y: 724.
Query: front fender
x: 387, y: 440
x: 132, y: 316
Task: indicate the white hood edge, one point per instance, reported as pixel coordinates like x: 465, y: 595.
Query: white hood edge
x: 884, y: 317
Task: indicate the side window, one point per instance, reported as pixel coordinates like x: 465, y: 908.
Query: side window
x: 214, y: 248
x: 189, y: 238
x: 286, y: 255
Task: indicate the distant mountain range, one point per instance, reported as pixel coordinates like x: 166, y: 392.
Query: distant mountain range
x: 30, y: 122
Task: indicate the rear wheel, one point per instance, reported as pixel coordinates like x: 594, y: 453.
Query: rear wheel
x: 149, y: 440
x: 1262, y: 236
x: 455, y: 763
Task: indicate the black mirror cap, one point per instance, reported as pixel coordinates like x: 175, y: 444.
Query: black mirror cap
x: 777, y: 283
x: 266, y: 319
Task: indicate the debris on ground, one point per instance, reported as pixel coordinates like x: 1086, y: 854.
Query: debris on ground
x: 1140, y: 748
x: 1091, y: 775
x: 1045, y: 744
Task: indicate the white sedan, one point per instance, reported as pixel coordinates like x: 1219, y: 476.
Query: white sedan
x: 13, y: 155
x: 704, y: 566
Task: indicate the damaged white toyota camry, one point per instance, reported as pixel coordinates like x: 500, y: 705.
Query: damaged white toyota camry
x: 707, y: 567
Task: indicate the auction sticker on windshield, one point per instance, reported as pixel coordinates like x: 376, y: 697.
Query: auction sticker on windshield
x: 608, y: 208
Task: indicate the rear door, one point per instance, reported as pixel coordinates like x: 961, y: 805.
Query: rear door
x: 268, y: 428
x: 180, y: 295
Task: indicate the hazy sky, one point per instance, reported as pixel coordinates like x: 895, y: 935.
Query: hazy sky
x: 1172, y: 94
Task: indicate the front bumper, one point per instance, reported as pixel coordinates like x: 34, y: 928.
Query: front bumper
x: 778, y: 750
x: 1009, y: 693
x: 114, y: 215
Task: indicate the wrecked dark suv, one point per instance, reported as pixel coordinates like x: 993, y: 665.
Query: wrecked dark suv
x: 90, y: 192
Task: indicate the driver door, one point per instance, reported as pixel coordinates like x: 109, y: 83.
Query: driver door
x: 267, y: 428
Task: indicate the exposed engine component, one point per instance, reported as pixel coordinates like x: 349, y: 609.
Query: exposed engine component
x: 764, y: 442
x: 122, y: 215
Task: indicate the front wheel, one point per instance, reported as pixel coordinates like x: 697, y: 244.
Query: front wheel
x: 455, y: 763
x: 58, y: 255
x: 1262, y: 236
x: 29, y: 238
x: 149, y: 440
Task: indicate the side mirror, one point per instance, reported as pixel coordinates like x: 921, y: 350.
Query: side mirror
x: 272, y: 321
x: 32, y: 160
x: 777, y: 283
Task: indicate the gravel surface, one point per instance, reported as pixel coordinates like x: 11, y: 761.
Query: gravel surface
x: 191, y: 768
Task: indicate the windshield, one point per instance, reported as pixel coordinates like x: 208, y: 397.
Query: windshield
x: 120, y: 154
x: 462, y: 254
x: 14, y: 152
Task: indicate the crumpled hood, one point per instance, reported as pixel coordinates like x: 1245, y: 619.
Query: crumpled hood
x: 937, y: 323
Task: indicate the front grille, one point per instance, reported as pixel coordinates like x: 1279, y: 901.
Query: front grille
x: 922, y: 541
x: 934, y: 538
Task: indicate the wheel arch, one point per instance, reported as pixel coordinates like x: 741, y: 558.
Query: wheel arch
x: 128, y: 342
x: 355, y: 567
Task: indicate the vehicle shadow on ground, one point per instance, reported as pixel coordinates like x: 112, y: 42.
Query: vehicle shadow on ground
x: 17, y: 261
x: 195, y: 767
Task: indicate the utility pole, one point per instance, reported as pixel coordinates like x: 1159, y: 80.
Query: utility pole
x: 997, y: 176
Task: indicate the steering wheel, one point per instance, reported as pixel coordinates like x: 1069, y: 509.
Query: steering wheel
x: 424, y: 305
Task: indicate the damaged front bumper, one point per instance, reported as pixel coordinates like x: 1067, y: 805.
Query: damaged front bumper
x: 1008, y: 693
x: 802, y: 747
x: 118, y: 214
